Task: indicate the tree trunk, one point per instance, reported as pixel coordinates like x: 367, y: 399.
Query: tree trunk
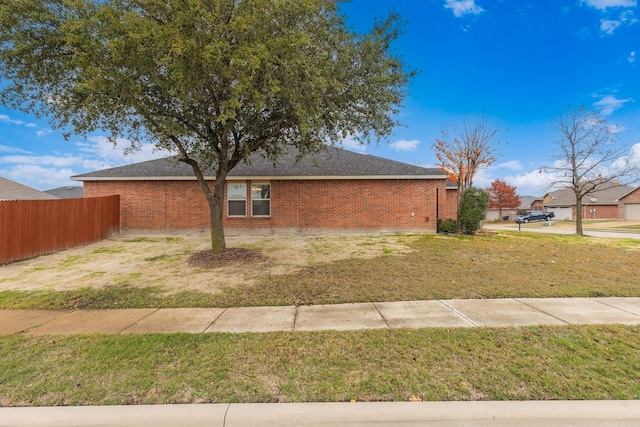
x: 579, y: 230
x: 216, y: 209
x: 215, y: 199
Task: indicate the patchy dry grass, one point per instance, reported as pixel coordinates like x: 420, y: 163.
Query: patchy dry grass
x: 339, y: 269
x: 537, y: 363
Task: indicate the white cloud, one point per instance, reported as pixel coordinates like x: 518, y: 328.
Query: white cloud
x: 99, y: 147
x: 633, y: 158
x: 631, y: 57
x: 609, y: 103
x: 64, y: 161
x: 608, y: 26
x: 49, y: 171
x: 532, y: 183
x: 514, y: 165
x: 351, y: 144
x: 7, y: 149
x: 626, y: 18
x: 43, y: 132
x: 36, y: 176
x: 404, y: 145
x: 6, y: 119
x: 463, y: 7
x: 605, y: 4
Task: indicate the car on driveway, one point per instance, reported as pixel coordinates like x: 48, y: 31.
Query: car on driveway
x: 534, y: 216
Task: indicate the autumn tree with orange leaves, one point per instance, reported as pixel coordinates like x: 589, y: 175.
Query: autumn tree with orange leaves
x: 464, y: 151
x: 502, y: 196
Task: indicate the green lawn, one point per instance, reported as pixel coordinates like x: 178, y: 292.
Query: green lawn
x: 573, y: 362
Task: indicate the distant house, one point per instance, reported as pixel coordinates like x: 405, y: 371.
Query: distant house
x: 527, y: 203
x: 11, y: 190
x: 629, y: 205
x: 602, y: 204
x: 68, y: 192
x: 334, y: 190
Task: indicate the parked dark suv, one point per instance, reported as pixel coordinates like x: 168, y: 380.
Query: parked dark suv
x: 534, y: 216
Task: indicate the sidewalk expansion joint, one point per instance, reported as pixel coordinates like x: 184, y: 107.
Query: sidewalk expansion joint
x: 381, y: 315
x: 458, y: 313
x: 215, y: 320
x: 542, y: 311
x: 295, y: 318
x: 617, y: 308
x: 131, y: 324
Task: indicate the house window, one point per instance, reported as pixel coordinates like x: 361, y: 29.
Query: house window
x: 261, y: 199
x: 236, y: 199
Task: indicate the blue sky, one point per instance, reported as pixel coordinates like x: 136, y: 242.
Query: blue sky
x: 518, y: 63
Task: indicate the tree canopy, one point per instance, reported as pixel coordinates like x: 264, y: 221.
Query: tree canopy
x: 502, y: 195
x: 210, y: 80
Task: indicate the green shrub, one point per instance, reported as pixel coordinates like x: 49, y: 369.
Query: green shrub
x: 446, y: 225
x: 473, y: 209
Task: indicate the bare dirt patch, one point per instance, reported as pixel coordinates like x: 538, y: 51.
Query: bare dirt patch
x: 162, y: 260
x: 208, y: 259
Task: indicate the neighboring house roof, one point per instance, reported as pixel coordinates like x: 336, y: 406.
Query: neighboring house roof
x: 527, y: 201
x: 69, y: 192
x: 628, y: 192
x: 332, y: 163
x: 11, y: 190
x: 608, y: 195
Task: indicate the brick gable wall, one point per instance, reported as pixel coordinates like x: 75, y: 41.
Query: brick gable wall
x: 394, y: 204
x: 633, y: 197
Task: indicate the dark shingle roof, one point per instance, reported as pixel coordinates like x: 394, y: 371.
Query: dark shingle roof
x: 333, y: 162
x: 69, y: 192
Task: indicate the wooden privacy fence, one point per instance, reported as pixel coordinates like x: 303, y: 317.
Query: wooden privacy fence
x: 30, y: 228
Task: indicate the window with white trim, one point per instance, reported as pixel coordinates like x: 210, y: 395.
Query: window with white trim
x: 261, y: 199
x: 236, y: 199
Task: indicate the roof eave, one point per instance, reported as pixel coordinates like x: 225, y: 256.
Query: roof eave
x: 253, y: 178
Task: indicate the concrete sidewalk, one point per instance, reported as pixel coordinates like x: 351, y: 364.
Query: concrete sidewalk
x: 382, y: 315
x: 461, y: 414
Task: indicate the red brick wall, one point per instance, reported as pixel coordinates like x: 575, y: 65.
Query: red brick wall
x: 602, y: 212
x: 633, y: 197
x: 313, y: 204
x: 451, y: 208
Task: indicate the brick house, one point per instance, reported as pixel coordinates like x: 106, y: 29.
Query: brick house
x: 333, y: 190
x: 602, y: 204
x: 629, y: 205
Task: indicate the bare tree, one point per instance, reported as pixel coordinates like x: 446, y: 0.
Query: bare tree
x: 469, y: 148
x: 588, y: 157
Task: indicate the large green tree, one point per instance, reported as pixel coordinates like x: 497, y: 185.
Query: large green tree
x: 211, y: 80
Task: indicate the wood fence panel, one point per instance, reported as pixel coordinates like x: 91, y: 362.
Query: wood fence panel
x: 30, y: 228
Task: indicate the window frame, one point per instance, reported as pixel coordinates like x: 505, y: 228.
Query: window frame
x: 253, y: 214
x: 229, y: 200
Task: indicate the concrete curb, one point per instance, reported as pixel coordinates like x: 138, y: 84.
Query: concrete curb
x: 478, y: 414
